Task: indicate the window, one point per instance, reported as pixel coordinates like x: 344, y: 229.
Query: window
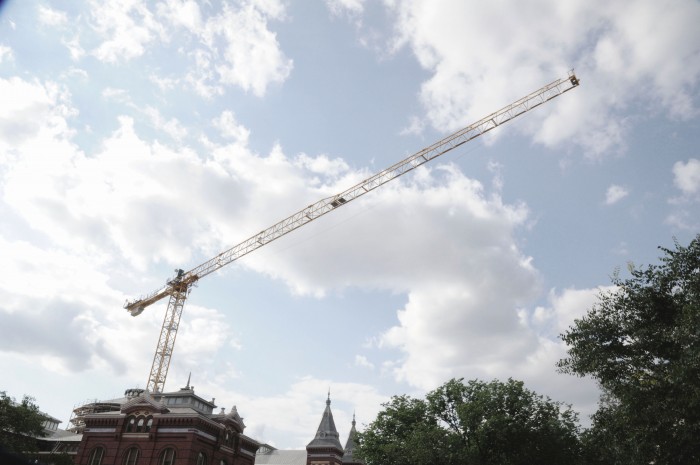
x: 96, y: 456
x: 131, y: 456
x: 167, y: 457
x: 149, y: 423
x: 201, y: 459
x: 130, y: 424
x: 223, y: 462
x: 139, y: 425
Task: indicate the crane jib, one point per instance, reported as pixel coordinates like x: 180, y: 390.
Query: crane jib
x: 177, y: 288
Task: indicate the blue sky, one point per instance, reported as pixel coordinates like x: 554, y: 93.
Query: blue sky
x: 140, y: 137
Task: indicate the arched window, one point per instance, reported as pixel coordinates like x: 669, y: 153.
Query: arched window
x: 131, y: 457
x: 139, y: 425
x: 201, y: 459
x: 149, y: 423
x: 130, y: 424
x: 167, y: 457
x: 96, y: 456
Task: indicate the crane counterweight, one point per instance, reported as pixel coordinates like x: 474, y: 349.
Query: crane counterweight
x: 178, y: 288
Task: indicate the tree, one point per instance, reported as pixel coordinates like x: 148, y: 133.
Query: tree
x: 20, y: 424
x: 402, y: 434
x: 641, y: 342
x: 475, y: 423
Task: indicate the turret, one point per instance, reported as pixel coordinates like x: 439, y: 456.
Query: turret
x: 325, y: 448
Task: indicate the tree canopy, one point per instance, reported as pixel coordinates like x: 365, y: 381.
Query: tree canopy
x: 20, y: 424
x: 473, y: 423
x: 641, y: 342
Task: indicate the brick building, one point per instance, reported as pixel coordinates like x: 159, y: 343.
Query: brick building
x: 181, y: 428
x: 176, y: 428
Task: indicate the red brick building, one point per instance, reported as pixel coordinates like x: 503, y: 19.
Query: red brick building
x: 176, y: 428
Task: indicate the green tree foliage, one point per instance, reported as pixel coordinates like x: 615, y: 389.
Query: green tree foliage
x: 641, y: 342
x: 402, y: 434
x: 20, y: 424
x: 475, y: 423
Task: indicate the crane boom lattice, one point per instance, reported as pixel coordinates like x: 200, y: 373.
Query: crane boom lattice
x: 178, y: 288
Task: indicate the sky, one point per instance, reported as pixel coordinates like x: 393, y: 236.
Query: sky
x: 139, y: 137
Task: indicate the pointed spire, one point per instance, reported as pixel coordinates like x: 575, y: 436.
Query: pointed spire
x: 327, y: 434
x: 188, y: 380
x: 350, y: 445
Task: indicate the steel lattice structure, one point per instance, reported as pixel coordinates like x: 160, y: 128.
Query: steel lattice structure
x: 179, y: 287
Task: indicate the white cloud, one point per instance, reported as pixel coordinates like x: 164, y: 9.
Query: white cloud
x: 295, y: 414
x: 117, y: 95
x: 228, y: 127
x: 171, y: 127
x: 145, y: 203
x: 614, y: 194
x: 57, y: 291
x: 234, y: 46
x: 620, y: 56
x: 185, y: 13
x: 415, y: 126
x: 686, y: 176
x: 163, y: 83
x: 322, y: 165
x: 6, y: 53
x: 458, y: 331
x: 126, y: 28
x: 31, y: 113
x: 351, y: 7
x: 74, y: 48
x: 50, y: 17
x: 362, y: 361
x: 248, y: 54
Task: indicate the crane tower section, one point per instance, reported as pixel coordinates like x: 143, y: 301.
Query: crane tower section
x: 177, y: 289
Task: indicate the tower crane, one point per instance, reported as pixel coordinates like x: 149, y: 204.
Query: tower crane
x: 178, y: 288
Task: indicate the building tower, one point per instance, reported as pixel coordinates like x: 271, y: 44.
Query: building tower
x: 348, y: 458
x: 325, y: 448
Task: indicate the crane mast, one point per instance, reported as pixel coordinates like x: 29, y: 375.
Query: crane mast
x: 178, y: 288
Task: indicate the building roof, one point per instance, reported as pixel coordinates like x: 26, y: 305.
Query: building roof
x: 62, y: 436
x: 327, y: 434
x: 350, y: 445
x: 281, y: 457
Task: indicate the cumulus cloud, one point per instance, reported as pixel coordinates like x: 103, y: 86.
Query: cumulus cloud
x: 185, y: 13
x: 142, y: 203
x: 620, y: 57
x: 614, y: 194
x: 296, y: 413
x: 58, y: 291
x: 228, y: 127
x: 686, y: 176
x: 125, y: 27
x: 235, y: 46
x: 252, y: 58
x: 32, y: 112
x: 459, y: 332
x: 171, y: 127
